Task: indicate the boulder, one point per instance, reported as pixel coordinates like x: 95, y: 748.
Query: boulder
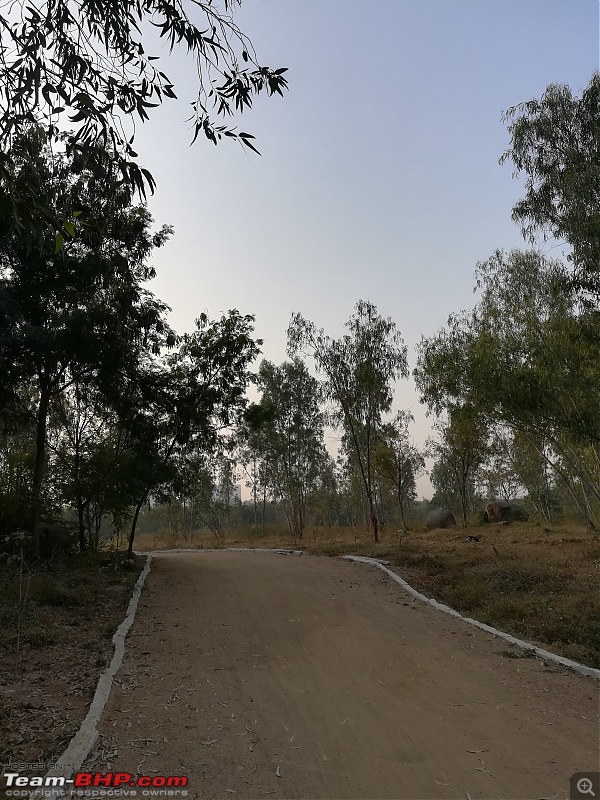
x: 440, y: 518
x: 499, y: 511
x: 56, y: 540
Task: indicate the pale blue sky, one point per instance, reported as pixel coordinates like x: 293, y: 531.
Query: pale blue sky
x: 379, y: 175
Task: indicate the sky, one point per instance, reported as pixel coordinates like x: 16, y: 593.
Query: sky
x: 378, y: 177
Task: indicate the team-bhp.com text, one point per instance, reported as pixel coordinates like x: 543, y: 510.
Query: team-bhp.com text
x: 87, y: 780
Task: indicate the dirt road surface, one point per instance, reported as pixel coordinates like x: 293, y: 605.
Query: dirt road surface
x: 264, y: 675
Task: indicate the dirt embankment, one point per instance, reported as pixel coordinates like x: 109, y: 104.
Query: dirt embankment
x: 261, y: 675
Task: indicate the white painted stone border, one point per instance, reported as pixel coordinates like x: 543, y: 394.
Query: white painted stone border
x: 565, y: 662
x: 81, y: 744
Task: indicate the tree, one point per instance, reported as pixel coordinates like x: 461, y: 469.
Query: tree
x: 532, y: 461
x: 78, y: 313
x: 324, y: 499
x: 89, y: 459
x: 443, y: 480
x: 399, y: 462
x: 254, y: 454
x: 359, y: 369
x: 292, y: 436
x: 462, y: 448
x: 92, y: 60
x: 209, y: 491
x: 179, y: 407
x: 499, y: 478
x: 526, y: 358
x: 555, y: 141
x: 351, y: 485
x: 16, y: 468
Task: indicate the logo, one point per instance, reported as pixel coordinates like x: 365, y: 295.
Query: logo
x: 585, y: 786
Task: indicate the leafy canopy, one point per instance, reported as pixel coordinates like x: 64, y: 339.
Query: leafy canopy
x: 360, y: 369
x: 555, y: 141
x: 85, y: 60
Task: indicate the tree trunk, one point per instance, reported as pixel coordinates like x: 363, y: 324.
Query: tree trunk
x: 82, y: 542
x: 464, y: 501
x: 373, y: 518
x: 38, y: 472
x: 401, y: 504
x: 375, y: 525
x: 254, y: 487
x: 264, y: 505
x: 97, y: 525
x: 379, y: 504
x: 133, y: 526
x: 79, y: 498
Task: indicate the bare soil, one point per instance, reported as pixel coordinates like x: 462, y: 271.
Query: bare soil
x: 264, y: 675
x: 69, y: 613
x: 538, y: 582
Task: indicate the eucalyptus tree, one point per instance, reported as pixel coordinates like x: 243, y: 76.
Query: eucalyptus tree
x: 203, y: 488
x: 527, y: 358
x: 92, y: 62
x: 532, y: 459
x: 499, y: 477
x: 253, y: 453
x: 324, y: 502
x: 351, y: 487
x: 359, y: 370
x: 555, y: 143
x: 291, y: 436
x: 443, y: 481
x: 462, y: 448
x: 398, y: 462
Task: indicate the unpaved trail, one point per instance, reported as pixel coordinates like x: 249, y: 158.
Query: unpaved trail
x: 264, y: 675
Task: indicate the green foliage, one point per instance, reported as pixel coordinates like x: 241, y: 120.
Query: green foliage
x: 461, y: 450
x: 359, y: 370
x: 527, y: 359
x: 398, y: 462
x: 179, y: 406
x: 54, y: 62
x: 98, y: 413
x: 78, y: 316
x: 285, y: 431
x: 555, y: 141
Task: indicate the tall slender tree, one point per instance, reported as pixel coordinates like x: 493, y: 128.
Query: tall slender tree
x: 398, y: 462
x: 359, y: 370
x: 292, y: 436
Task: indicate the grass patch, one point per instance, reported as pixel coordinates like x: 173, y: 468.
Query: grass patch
x: 525, y: 653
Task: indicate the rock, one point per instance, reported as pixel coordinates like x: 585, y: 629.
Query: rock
x: 56, y: 540
x: 440, y: 518
x: 498, y: 511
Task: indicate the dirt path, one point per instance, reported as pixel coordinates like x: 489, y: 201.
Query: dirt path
x: 263, y: 675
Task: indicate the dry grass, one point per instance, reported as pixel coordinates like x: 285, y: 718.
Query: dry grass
x: 71, y: 611
x: 540, y: 583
